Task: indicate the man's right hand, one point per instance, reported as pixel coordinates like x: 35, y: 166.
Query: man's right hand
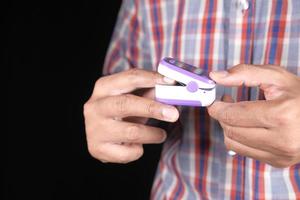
x: 110, y: 136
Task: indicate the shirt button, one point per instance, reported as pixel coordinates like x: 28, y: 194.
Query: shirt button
x: 242, y: 4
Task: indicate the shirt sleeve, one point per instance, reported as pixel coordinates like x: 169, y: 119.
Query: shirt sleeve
x: 129, y: 46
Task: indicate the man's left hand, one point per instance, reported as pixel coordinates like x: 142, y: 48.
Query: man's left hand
x: 266, y: 130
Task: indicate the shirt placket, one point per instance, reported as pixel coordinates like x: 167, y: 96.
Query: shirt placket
x: 240, y: 50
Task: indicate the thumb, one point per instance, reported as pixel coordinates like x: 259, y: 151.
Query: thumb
x: 249, y: 75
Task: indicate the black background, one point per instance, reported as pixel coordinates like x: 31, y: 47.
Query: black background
x: 54, y: 52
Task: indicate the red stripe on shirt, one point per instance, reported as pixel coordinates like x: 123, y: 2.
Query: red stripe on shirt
x: 113, y: 58
x: 280, y: 36
x: 260, y: 192
x: 245, y: 47
x: 296, y: 184
x: 157, y: 27
x: 262, y: 181
x: 157, y: 183
x: 269, y: 37
x: 237, y: 191
x: 134, y: 30
x: 233, y: 178
x: 178, y: 31
x: 176, y: 194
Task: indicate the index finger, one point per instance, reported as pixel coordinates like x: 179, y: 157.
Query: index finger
x: 134, y: 106
x: 128, y: 81
x: 244, y: 113
x: 250, y: 75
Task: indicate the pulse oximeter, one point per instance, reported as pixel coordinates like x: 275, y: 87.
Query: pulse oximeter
x: 196, y: 88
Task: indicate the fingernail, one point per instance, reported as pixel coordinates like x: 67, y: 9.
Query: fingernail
x: 231, y: 153
x: 220, y: 74
x: 170, y: 113
x: 168, y: 80
x: 164, y: 136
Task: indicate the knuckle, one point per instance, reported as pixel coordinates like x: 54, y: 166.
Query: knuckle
x: 228, y: 131
x: 124, y: 158
x: 291, y: 150
x: 95, y: 150
x: 133, y: 133
x: 87, y: 109
x: 139, y: 153
x: 281, y: 163
x: 287, y: 146
x: 281, y: 120
x: 211, y: 110
x: 151, y: 108
x: 287, y: 113
x: 154, y: 75
x: 230, y: 113
x: 122, y: 102
x: 243, y: 67
x: 276, y: 119
x: 278, y: 73
x: 133, y: 75
x: 129, y: 157
x: 277, y: 164
x: 227, y: 116
x: 134, y: 71
x: 100, y: 83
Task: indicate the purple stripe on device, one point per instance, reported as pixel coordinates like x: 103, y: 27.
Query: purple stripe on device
x: 179, y: 102
x: 178, y: 69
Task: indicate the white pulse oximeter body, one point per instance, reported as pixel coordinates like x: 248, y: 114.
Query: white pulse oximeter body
x: 196, y: 89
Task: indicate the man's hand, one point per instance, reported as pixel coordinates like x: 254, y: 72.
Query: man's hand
x: 266, y: 130
x: 115, y: 119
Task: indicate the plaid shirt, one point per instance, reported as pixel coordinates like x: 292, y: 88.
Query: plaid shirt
x: 214, y: 35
